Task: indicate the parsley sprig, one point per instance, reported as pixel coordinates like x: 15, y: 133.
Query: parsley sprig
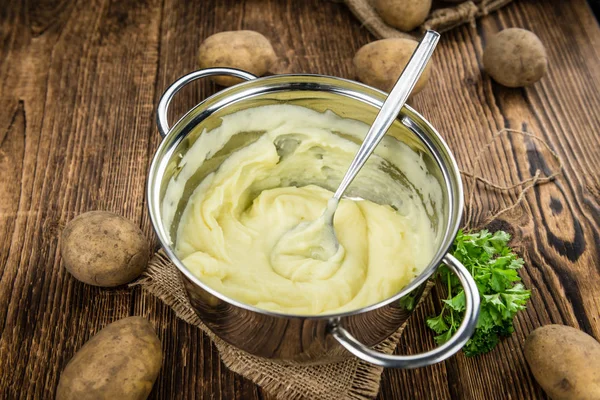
x: 494, y: 267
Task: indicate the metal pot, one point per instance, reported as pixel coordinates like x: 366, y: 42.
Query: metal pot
x: 313, y: 339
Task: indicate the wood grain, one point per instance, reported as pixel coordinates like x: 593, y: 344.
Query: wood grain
x: 79, y: 81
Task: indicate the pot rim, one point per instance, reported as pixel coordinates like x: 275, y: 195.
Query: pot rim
x: 173, y: 137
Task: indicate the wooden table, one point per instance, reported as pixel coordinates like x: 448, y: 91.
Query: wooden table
x: 78, y: 86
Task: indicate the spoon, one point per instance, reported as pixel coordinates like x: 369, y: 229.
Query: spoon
x: 320, y: 235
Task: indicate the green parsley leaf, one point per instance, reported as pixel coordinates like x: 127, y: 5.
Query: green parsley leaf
x: 501, y: 279
x: 494, y: 267
x: 457, y: 303
x: 437, y: 324
x: 444, y: 337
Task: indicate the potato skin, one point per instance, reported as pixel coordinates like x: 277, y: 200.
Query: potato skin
x: 380, y: 63
x: 515, y: 57
x: 101, y: 248
x: 246, y: 50
x: 565, y: 362
x: 405, y: 15
x: 121, y: 361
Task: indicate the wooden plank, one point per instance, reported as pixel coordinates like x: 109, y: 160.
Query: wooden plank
x: 78, y: 85
x: 80, y: 81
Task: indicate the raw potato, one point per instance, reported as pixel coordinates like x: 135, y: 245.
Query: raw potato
x: 121, y: 362
x: 380, y: 63
x: 246, y: 50
x: 101, y: 248
x: 405, y: 15
x: 515, y: 57
x: 565, y: 361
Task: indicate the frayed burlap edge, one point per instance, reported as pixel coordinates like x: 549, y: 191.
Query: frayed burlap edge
x: 441, y: 19
x: 349, y: 379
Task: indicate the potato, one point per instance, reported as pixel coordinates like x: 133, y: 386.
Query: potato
x: 515, y: 57
x: 405, y: 15
x: 121, y: 362
x: 565, y: 362
x: 101, y: 248
x: 246, y: 50
x: 380, y: 63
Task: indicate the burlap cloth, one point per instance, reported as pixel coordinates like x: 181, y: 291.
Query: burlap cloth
x: 350, y: 379
x: 442, y: 17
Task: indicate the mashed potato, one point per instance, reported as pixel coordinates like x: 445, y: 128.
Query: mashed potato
x: 235, y: 217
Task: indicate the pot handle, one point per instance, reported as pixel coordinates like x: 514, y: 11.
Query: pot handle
x: 456, y: 342
x: 163, y: 104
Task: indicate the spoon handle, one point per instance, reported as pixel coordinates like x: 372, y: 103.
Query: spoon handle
x: 391, y: 107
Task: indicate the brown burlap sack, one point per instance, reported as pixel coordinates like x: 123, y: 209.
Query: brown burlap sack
x: 441, y: 18
x: 350, y: 379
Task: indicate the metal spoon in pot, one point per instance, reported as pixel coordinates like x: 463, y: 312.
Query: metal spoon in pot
x: 322, y: 241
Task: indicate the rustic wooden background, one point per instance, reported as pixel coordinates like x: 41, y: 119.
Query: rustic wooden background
x: 79, y: 81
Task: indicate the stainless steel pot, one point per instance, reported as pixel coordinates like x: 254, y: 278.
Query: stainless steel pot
x: 312, y: 339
